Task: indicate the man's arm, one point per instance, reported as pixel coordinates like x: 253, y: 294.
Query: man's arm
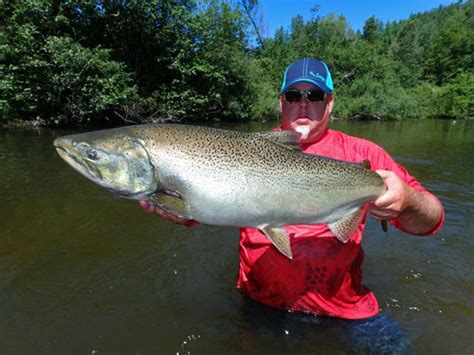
x: 417, y: 213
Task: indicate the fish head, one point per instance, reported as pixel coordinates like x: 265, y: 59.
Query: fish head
x: 118, y: 162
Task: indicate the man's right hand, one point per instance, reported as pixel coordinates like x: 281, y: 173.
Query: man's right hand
x: 149, y: 207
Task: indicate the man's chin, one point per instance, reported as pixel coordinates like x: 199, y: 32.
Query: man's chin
x: 306, y: 137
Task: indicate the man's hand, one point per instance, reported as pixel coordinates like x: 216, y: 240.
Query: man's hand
x: 394, y: 201
x: 149, y: 207
x: 417, y: 213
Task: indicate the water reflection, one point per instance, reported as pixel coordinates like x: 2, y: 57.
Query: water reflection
x: 82, y: 270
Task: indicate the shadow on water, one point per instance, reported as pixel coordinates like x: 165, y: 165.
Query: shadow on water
x: 82, y: 271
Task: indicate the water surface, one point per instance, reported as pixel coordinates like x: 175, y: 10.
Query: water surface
x: 82, y: 271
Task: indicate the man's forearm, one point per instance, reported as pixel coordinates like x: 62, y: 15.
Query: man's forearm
x: 421, y: 214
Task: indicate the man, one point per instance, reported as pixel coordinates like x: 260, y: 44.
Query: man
x: 306, y: 102
x: 324, y: 277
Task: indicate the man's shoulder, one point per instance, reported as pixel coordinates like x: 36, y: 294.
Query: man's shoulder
x: 340, y: 145
x: 352, y: 141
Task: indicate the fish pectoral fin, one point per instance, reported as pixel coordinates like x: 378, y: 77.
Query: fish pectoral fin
x: 347, y: 225
x: 288, y: 139
x: 280, y: 239
x: 171, y: 204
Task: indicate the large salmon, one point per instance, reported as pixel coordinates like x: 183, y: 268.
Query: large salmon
x: 222, y: 177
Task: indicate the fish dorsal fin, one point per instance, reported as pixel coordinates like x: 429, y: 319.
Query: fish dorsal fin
x: 288, y: 139
x: 280, y: 239
x: 347, y: 225
x: 171, y: 204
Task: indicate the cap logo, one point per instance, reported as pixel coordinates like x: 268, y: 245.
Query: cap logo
x: 317, y: 75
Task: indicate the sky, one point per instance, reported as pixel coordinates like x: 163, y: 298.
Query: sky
x: 278, y: 13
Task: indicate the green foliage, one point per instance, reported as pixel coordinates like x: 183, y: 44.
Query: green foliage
x: 373, y: 30
x: 418, y: 68
x: 84, y: 82
x: 211, y: 82
x: 369, y: 98
x: 65, y: 81
x: 92, y: 62
x: 456, y: 98
x: 450, y: 53
x: 265, y: 96
x: 54, y: 77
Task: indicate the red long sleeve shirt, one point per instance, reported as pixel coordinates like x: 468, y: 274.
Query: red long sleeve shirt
x: 324, y: 277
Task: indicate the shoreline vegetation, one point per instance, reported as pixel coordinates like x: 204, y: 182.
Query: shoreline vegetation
x: 106, y: 63
x: 18, y: 124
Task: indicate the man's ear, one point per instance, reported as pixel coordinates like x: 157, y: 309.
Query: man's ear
x: 330, y: 104
x: 281, y: 103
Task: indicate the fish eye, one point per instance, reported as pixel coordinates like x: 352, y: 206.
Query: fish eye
x: 91, y: 153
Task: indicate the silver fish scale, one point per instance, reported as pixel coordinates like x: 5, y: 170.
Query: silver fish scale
x: 231, y: 151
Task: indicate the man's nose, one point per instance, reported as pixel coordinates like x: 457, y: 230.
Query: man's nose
x: 303, y: 101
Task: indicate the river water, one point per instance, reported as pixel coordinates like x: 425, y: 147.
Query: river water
x: 85, y: 272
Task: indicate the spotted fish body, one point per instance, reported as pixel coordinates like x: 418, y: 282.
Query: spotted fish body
x: 222, y: 177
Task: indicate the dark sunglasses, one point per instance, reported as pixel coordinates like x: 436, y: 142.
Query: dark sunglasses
x: 311, y: 95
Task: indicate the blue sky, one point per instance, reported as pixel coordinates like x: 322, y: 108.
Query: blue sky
x: 278, y: 13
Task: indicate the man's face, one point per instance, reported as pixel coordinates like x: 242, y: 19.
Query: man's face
x: 311, y: 119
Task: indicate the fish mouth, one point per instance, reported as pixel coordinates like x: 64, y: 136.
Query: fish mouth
x: 99, y: 168
x: 90, y: 172
x: 132, y: 195
x: 82, y: 166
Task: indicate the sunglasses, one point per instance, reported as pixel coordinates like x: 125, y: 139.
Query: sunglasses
x: 311, y: 95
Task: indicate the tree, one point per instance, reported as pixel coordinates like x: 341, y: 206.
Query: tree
x: 450, y: 52
x: 52, y: 77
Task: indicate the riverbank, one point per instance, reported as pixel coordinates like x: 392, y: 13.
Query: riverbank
x: 41, y: 123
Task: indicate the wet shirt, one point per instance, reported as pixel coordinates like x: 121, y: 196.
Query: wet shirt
x: 324, y: 277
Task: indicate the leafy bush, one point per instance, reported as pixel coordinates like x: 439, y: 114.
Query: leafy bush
x: 64, y: 82
x: 456, y: 98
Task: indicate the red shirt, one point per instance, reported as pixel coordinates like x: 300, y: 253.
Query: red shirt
x: 324, y: 277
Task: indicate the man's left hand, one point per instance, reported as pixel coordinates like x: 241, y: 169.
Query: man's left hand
x: 394, y: 201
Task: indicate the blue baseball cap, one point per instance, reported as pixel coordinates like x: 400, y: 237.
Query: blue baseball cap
x: 308, y: 70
